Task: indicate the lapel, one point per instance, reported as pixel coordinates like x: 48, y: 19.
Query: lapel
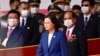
x: 46, y: 41
x: 74, y: 31
x: 4, y: 34
x: 28, y: 24
x: 90, y: 20
x: 54, y: 38
x: 14, y: 35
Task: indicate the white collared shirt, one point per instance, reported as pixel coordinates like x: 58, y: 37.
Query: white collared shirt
x: 25, y: 20
x: 49, y: 39
x: 87, y: 17
x: 71, y: 30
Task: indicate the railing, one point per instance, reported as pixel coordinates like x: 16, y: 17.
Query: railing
x: 93, y: 49
x: 19, y: 51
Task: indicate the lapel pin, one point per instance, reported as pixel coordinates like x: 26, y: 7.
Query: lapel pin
x: 91, y: 19
x: 28, y: 27
x: 54, y: 36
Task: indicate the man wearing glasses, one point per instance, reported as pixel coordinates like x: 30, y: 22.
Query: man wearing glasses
x: 88, y: 21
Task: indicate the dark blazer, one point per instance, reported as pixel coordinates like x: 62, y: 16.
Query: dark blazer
x: 58, y: 46
x: 78, y: 44
x: 15, y: 39
x: 30, y: 32
x: 91, y: 29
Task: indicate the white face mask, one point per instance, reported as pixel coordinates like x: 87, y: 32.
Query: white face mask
x: 61, y: 6
x: 68, y: 23
x: 34, y: 10
x: 85, y: 9
x: 98, y: 10
x: 12, y: 22
x: 66, y: 8
x: 24, y: 13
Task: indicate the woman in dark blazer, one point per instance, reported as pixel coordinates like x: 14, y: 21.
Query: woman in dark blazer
x: 53, y: 42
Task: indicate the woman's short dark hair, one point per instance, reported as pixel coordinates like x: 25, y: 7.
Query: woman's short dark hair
x: 54, y: 20
x: 13, y: 11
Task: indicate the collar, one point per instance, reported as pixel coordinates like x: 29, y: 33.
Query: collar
x: 87, y: 16
x: 25, y: 18
x: 11, y: 27
x: 71, y: 28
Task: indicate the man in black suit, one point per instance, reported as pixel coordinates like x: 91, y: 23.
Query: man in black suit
x: 36, y: 15
x: 28, y: 25
x: 88, y: 21
x: 12, y: 35
x: 77, y: 41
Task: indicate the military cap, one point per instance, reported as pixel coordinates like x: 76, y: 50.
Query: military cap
x: 54, y: 8
x: 57, y: 1
x: 34, y: 2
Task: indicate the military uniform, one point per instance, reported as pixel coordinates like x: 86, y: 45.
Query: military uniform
x: 37, y: 17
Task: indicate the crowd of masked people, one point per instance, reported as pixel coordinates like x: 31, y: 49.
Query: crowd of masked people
x: 62, y: 32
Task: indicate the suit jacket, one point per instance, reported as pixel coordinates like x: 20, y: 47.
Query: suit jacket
x: 30, y: 32
x: 15, y: 39
x: 38, y: 19
x: 91, y: 29
x: 78, y: 44
x: 58, y: 46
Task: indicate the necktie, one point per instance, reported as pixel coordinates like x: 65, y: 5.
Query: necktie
x: 9, y: 32
x: 6, y: 39
x: 22, y: 26
x: 67, y: 34
x: 85, y: 21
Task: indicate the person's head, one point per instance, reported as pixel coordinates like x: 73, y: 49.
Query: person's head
x: 14, y: 4
x: 69, y: 19
x: 76, y: 9
x: 13, y: 18
x: 51, y: 22
x: 34, y: 6
x: 53, y: 9
x: 87, y: 6
x: 67, y: 5
x: 96, y: 8
x: 59, y: 3
x: 23, y: 8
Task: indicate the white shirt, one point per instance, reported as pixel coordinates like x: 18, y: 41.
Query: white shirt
x: 49, y: 39
x: 87, y: 17
x: 71, y: 30
x: 4, y: 43
x: 25, y: 20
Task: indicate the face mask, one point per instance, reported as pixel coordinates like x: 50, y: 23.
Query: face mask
x: 61, y: 6
x: 24, y: 13
x: 85, y: 9
x: 12, y: 22
x: 68, y: 23
x: 66, y: 8
x: 98, y: 10
x: 34, y: 10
